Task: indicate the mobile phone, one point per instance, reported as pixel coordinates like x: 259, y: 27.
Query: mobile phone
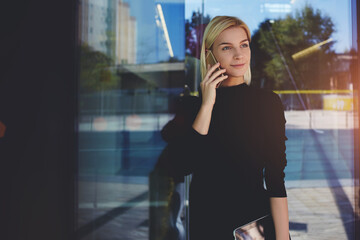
x: 210, y: 59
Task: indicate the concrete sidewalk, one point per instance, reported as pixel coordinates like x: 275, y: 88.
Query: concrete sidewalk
x: 319, y: 177
x: 315, y: 213
x: 321, y: 213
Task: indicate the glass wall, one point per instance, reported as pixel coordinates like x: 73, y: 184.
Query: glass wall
x: 140, y: 59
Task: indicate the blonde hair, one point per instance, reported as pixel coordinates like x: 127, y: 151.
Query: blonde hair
x: 212, y: 31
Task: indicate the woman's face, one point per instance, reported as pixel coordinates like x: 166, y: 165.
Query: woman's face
x: 232, y: 50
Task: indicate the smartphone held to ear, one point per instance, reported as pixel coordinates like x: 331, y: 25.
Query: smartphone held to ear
x: 210, y: 59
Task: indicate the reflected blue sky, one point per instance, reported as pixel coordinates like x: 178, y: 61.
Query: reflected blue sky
x: 255, y: 11
x: 151, y: 44
x: 152, y: 48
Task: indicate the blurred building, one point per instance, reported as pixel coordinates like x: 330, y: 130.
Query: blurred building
x: 93, y: 17
x: 276, y: 6
x: 106, y: 26
x: 125, y: 34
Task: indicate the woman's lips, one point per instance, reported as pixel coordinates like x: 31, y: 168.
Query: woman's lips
x: 238, y: 65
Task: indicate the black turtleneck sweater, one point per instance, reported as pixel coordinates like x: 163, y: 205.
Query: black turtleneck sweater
x: 244, y: 148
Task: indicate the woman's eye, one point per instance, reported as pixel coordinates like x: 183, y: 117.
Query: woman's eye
x: 226, y: 48
x: 244, y: 45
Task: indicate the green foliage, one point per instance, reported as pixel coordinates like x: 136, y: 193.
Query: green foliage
x: 95, y: 71
x: 197, y: 18
x: 275, y: 42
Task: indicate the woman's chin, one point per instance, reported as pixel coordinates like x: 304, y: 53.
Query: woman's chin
x: 235, y: 72
x: 238, y: 75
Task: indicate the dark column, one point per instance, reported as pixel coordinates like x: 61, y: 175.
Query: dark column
x: 37, y: 106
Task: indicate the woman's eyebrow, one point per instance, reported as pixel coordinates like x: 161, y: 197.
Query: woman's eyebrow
x: 225, y: 43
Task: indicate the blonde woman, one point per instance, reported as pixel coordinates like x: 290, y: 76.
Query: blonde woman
x: 235, y: 143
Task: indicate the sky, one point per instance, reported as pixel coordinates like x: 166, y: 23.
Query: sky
x: 151, y: 46
x: 253, y: 12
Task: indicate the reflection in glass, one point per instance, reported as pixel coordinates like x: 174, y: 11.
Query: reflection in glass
x: 306, y: 54
x: 131, y: 70
x: 135, y: 58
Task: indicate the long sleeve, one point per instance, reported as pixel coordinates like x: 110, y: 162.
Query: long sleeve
x: 275, y: 156
x: 187, y: 152
x: 184, y: 143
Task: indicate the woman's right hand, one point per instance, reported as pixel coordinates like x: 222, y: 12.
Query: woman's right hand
x: 208, y: 85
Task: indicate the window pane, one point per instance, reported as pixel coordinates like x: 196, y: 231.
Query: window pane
x: 306, y: 53
x: 131, y: 69
x: 138, y: 58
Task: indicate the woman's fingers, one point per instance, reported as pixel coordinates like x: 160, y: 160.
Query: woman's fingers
x: 214, y: 80
x: 211, y: 70
x: 219, y: 79
x: 214, y: 76
x: 211, y: 81
x: 217, y: 74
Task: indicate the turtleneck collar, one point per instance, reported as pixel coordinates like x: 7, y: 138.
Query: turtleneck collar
x: 241, y: 85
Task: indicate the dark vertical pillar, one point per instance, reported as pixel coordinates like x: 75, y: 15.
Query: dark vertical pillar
x: 38, y: 108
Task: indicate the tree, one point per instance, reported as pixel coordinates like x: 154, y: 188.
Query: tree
x: 95, y: 71
x: 275, y: 43
x: 194, y: 30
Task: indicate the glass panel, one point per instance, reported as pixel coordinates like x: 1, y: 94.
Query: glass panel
x: 131, y: 69
x: 138, y: 57
x: 305, y: 52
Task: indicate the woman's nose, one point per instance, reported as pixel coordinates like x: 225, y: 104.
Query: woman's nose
x: 238, y: 54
